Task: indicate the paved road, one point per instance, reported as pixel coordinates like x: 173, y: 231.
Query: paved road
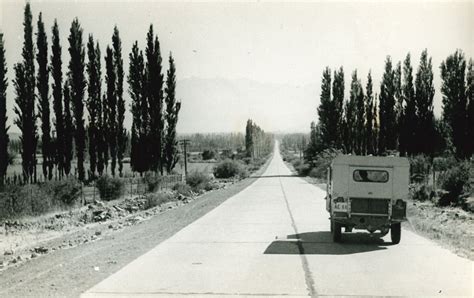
x: 273, y: 239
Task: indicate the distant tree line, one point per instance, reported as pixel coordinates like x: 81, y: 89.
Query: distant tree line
x: 154, y: 106
x: 400, y: 118
x: 258, y: 143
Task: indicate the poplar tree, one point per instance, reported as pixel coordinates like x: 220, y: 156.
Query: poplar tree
x: 455, y: 101
x: 43, y: 92
x: 470, y: 107
x: 101, y: 142
x: 24, y: 84
x: 93, y: 103
x: 68, y: 129
x: 350, y: 119
x: 77, y: 84
x: 357, y: 93
x: 399, y: 104
x: 172, y: 110
x: 370, y: 116
x: 3, y: 114
x: 424, y: 93
x: 338, y: 105
x: 407, y: 135
x: 387, y: 114
x: 136, y: 81
x: 119, y: 73
x: 57, y: 74
x: 154, y: 87
x: 249, y: 145
x: 111, y: 103
x: 326, y: 111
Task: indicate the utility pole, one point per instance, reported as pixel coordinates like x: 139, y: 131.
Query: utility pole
x: 185, y: 143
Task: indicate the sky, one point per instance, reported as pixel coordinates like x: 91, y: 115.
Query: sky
x: 272, y: 45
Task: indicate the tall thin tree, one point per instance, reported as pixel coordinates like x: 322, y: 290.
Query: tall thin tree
x: 24, y: 84
x: 110, y: 79
x: 455, y: 102
x: 57, y: 74
x: 119, y: 73
x: 68, y: 129
x: 407, y: 135
x: 360, y: 117
x: 154, y: 89
x: 370, y: 117
x: 93, y: 104
x: 136, y: 81
x: 338, y: 104
x: 3, y: 114
x: 387, y: 114
x: 326, y: 111
x: 77, y: 83
x: 172, y: 110
x: 424, y: 93
x: 43, y: 92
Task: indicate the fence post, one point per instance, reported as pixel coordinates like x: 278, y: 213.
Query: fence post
x: 131, y: 188
x: 93, y: 191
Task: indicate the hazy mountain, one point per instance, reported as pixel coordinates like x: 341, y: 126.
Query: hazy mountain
x: 221, y: 105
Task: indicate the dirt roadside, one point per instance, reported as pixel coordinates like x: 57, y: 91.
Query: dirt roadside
x: 101, y: 251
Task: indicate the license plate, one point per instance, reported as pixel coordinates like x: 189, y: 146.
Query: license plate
x: 340, y: 206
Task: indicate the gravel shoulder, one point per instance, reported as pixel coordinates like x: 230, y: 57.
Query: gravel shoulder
x: 98, y: 251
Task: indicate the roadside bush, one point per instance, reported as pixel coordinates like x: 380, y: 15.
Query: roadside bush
x: 229, y: 169
x: 208, y: 154
x: 24, y: 200
x: 303, y: 169
x: 421, y: 192
x: 66, y: 192
x: 455, y: 182
x: 152, y: 181
x: 318, y: 172
x: 158, y: 198
x: 197, y: 180
x: 420, y: 166
x: 183, y: 189
x: 110, y: 188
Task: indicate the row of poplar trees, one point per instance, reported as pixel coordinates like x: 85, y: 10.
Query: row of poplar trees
x: 400, y: 118
x: 257, y: 142
x: 153, y: 146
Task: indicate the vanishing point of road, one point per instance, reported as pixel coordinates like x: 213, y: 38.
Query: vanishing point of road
x: 273, y: 239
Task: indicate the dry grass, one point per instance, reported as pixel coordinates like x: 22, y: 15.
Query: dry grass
x: 452, y: 227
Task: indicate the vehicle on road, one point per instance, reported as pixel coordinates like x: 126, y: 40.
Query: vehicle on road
x: 368, y: 193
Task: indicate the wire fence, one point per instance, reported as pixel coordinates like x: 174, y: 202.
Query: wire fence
x: 137, y: 186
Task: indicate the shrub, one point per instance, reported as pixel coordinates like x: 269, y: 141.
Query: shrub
x: 23, y: 200
x: 454, y: 181
x: 197, y: 180
x: 303, y: 169
x: 158, y: 198
x: 421, y: 192
x: 110, y: 188
x: 152, y: 181
x: 229, y: 169
x: 420, y: 166
x: 318, y: 172
x: 66, y: 191
x: 208, y: 154
x: 183, y: 189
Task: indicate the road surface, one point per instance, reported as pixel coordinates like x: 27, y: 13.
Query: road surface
x: 273, y: 239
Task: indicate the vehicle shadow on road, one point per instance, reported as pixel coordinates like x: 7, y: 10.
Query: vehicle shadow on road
x: 320, y: 243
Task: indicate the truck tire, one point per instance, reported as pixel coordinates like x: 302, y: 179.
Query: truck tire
x: 336, y: 231
x: 395, y: 233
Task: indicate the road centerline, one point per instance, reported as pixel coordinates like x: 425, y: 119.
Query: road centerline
x: 304, y: 261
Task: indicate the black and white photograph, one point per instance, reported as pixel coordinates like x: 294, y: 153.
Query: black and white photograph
x: 236, y: 148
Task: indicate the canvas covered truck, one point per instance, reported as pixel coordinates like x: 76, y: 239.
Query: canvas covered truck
x: 368, y: 193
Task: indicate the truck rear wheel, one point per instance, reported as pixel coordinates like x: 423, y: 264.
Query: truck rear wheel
x: 336, y: 231
x: 395, y: 233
